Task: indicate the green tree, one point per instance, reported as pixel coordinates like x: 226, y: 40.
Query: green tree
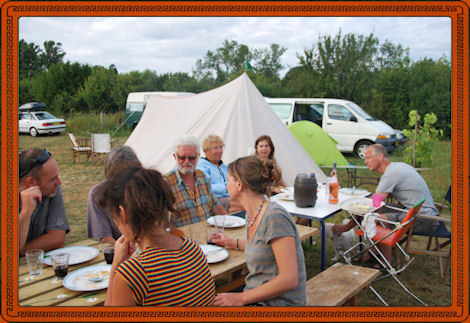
x: 52, y: 54
x: 28, y: 61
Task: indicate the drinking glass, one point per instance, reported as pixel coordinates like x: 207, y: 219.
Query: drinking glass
x: 34, y: 259
x: 60, y: 262
x: 108, y: 251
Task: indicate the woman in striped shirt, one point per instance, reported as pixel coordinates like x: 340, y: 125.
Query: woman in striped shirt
x: 170, y: 270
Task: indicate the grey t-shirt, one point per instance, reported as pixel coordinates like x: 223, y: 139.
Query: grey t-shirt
x: 99, y: 222
x: 276, y: 222
x: 48, y: 215
x: 408, y: 187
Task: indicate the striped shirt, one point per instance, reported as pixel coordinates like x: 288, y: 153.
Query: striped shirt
x: 161, y: 277
x: 193, y: 205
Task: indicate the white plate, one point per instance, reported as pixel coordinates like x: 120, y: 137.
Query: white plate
x: 77, y: 254
x: 353, y: 191
x: 359, y: 205
x: 79, y: 280
x: 288, y: 189
x: 214, y: 253
x: 286, y: 196
x: 231, y: 221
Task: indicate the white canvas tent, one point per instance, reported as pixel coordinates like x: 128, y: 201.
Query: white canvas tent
x: 236, y: 111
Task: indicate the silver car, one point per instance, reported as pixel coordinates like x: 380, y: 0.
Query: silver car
x: 33, y: 119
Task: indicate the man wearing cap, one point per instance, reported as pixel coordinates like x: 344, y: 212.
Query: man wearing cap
x: 42, y: 220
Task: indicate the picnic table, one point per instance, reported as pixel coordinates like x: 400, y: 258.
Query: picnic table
x: 46, y: 290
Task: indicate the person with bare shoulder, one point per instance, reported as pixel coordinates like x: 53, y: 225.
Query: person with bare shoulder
x: 42, y: 220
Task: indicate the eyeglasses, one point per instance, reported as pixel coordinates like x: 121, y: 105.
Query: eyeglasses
x: 41, y: 159
x: 183, y: 158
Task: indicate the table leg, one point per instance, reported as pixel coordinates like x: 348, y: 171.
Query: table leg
x: 322, y: 245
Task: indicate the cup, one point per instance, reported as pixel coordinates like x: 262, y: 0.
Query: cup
x: 199, y: 232
x: 108, y: 251
x: 60, y: 262
x: 327, y: 188
x: 34, y: 259
x: 219, y: 221
x: 377, y: 200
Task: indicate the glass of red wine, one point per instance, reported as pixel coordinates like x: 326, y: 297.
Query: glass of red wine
x: 108, y: 251
x: 60, y: 262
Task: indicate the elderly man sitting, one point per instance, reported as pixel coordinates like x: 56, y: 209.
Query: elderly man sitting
x: 405, y: 184
x: 194, y: 198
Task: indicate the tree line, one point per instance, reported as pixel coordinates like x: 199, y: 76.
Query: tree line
x: 380, y: 77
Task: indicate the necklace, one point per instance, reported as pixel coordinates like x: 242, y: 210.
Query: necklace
x: 251, y: 221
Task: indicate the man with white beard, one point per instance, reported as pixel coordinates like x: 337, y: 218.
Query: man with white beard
x: 42, y: 220
x: 194, y: 198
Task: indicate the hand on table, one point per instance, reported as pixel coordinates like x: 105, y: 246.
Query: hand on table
x: 222, y: 240
x: 229, y: 299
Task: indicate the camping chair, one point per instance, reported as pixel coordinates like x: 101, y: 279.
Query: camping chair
x: 101, y: 145
x: 79, y: 146
x: 389, y: 237
x: 441, y: 232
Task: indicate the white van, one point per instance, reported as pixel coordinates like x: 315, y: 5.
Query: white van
x: 343, y: 120
x: 136, y: 102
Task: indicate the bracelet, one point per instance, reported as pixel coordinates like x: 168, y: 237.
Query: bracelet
x: 237, y: 246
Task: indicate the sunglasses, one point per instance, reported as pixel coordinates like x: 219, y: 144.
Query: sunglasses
x: 183, y: 158
x: 41, y: 159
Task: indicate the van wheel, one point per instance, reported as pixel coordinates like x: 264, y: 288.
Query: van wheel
x: 33, y: 132
x: 361, y: 147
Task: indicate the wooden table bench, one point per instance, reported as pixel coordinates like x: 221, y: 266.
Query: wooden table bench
x: 339, y: 284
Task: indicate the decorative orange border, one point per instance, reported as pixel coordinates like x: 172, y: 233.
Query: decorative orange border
x: 457, y: 11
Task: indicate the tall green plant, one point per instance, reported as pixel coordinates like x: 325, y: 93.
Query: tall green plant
x: 423, y: 138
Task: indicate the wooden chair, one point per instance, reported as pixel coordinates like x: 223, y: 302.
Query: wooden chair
x: 441, y: 232
x: 101, y: 145
x: 79, y: 146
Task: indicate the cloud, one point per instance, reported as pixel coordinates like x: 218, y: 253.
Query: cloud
x: 174, y: 44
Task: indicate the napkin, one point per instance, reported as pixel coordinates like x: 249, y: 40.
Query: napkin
x: 369, y: 225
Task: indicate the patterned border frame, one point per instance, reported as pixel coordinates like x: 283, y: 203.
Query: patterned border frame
x: 457, y: 11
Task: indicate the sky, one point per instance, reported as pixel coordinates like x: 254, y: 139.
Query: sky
x: 174, y: 44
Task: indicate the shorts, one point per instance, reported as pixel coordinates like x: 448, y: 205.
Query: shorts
x: 425, y: 226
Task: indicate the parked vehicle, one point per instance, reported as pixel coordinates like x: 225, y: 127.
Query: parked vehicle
x: 136, y: 102
x: 34, y: 119
x: 343, y: 120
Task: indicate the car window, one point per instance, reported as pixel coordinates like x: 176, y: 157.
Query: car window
x: 339, y: 112
x: 26, y: 116
x: 44, y: 116
x: 305, y: 111
x: 281, y: 109
x: 137, y: 107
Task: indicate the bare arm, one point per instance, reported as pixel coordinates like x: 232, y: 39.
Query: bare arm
x: 118, y: 294
x: 107, y: 239
x: 28, y: 199
x: 51, y: 240
x: 287, y: 278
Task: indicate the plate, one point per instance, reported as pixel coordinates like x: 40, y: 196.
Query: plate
x: 286, y: 196
x: 288, y: 189
x: 353, y: 191
x: 359, y: 205
x: 79, y: 280
x: 214, y: 253
x: 231, y: 221
x: 77, y: 254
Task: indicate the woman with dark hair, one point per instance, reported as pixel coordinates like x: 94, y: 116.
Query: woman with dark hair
x: 170, y: 270
x: 273, y: 252
x: 264, y: 149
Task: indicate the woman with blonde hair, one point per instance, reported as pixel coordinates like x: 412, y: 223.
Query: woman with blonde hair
x: 274, y: 255
x: 264, y: 148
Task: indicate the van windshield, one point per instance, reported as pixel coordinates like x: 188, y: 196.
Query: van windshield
x: 357, y: 109
x: 137, y: 107
x: 281, y: 109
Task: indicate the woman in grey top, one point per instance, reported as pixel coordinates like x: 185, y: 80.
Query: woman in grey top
x: 273, y: 252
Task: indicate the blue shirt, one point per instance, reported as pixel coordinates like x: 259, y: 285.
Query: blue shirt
x: 217, y: 176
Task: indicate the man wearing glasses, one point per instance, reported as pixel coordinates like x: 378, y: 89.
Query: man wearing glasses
x: 42, y: 220
x: 194, y: 198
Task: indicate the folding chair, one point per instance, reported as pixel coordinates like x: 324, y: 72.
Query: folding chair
x: 389, y: 237
x: 79, y: 146
x: 441, y: 232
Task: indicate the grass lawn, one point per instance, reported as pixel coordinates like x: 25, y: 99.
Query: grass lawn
x: 422, y: 277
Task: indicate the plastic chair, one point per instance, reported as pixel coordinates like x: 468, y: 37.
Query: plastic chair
x: 391, y: 238
x: 80, y: 146
x: 441, y: 232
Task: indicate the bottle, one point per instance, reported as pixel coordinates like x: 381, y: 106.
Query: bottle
x: 333, y: 186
